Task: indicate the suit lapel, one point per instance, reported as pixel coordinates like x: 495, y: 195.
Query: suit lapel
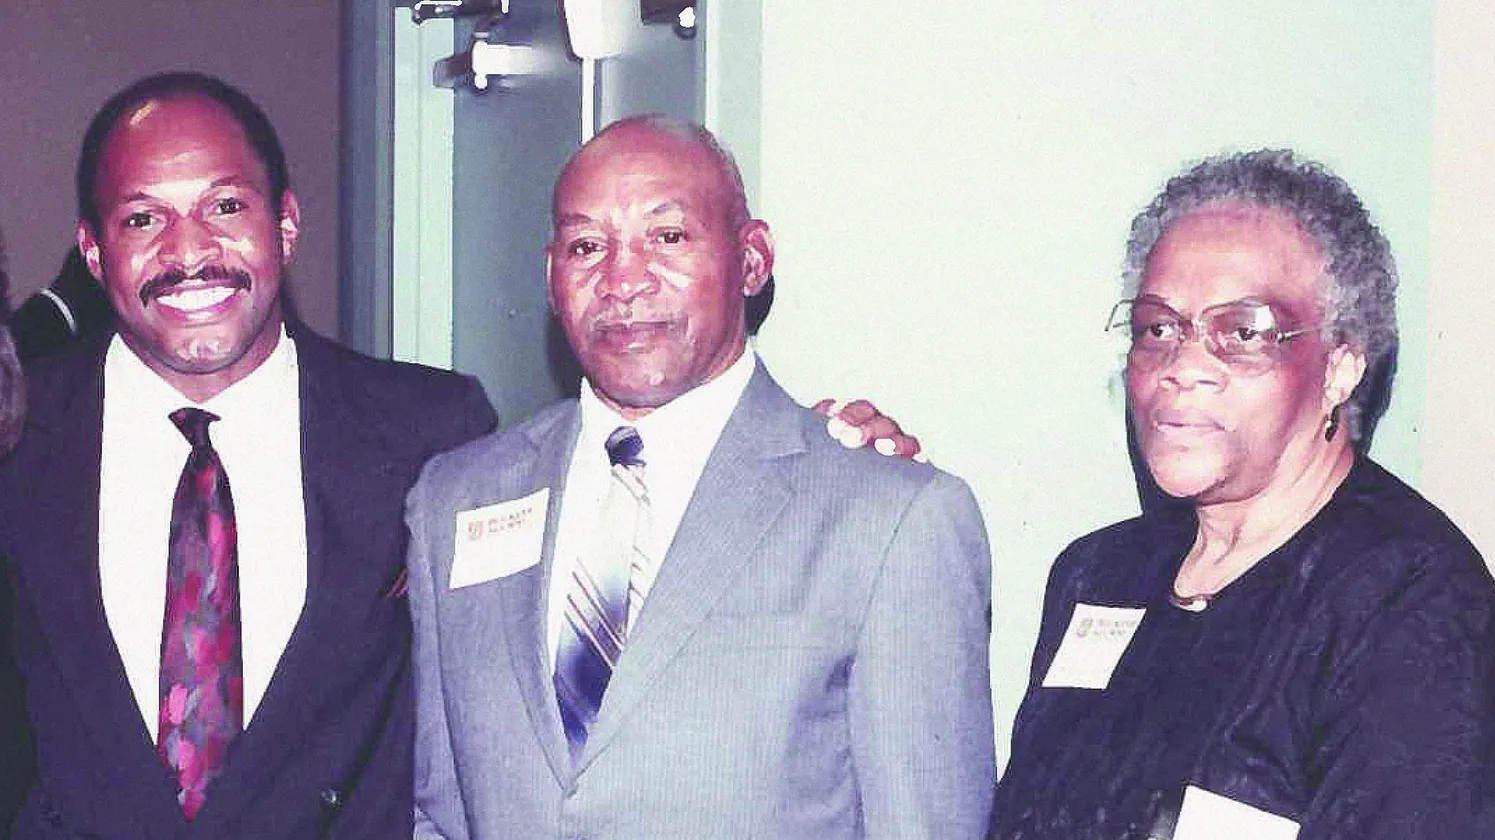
x: 742, y: 491
x: 58, y: 561
x: 526, y: 600
x: 343, y: 464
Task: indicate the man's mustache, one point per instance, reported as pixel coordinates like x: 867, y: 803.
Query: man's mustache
x: 170, y: 277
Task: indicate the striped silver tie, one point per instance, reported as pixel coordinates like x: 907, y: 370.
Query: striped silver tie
x: 606, y: 591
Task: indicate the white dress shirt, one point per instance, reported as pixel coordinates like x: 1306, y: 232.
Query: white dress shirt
x: 678, y: 438
x: 258, y: 439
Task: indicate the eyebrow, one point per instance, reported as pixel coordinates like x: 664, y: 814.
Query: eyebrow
x: 225, y: 181
x: 572, y: 219
x: 234, y: 181
x: 578, y: 218
x: 669, y: 206
x: 1254, y: 300
x: 1281, y: 311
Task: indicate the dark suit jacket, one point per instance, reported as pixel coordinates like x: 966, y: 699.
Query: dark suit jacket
x: 328, y: 752
x: 15, y: 744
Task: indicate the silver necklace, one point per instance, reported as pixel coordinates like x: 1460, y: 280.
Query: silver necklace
x: 1193, y: 603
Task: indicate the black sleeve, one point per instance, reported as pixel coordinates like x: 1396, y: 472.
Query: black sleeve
x: 39, y: 328
x: 480, y: 419
x: 1404, y: 742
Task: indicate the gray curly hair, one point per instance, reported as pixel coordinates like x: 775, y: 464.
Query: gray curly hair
x: 1360, y: 301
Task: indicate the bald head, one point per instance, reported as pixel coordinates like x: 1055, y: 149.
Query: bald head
x: 697, y: 144
x: 650, y: 259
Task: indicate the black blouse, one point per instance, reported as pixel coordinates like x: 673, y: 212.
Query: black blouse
x: 1345, y: 682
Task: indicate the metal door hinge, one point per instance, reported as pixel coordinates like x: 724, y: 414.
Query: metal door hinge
x: 425, y: 10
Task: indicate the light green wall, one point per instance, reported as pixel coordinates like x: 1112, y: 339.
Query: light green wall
x: 421, y: 329
x: 951, y: 191
x: 732, y: 92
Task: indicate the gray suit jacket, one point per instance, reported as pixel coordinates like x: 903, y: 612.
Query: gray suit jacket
x: 811, y: 661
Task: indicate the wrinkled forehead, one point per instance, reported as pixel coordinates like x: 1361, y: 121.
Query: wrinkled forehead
x: 641, y: 166
x: 175, y: 129
x: 1232, y: 251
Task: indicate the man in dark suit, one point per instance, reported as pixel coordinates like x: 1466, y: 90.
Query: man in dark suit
x: 275, y: 554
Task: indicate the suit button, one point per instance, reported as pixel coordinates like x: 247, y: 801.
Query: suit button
x: 50, y: 812
x: 331, y: 798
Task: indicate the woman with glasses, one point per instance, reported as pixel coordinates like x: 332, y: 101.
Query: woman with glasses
x: 1304, y: 647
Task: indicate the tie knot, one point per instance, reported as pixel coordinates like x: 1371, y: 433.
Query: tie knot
x: 193, y: 423
x: 624, y: 446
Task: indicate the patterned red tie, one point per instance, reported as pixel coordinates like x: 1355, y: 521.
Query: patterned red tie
x: 202, y: 663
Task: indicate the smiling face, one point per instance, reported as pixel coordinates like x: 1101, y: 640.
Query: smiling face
x: 190, y: 247
x: 1211, y: 433
x: 648, y: 268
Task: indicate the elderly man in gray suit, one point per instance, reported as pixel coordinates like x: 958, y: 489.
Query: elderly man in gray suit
x: 674, y: 608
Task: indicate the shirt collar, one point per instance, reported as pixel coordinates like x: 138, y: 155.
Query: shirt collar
x: 130, y: 381
x: 686, y: 427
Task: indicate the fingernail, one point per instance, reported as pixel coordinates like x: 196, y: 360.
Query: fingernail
x: 921, y: 458
x: 836, y: 427
x: 850, y: 437
x: 885, y: 446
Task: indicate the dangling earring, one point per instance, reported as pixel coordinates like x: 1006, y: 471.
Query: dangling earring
x: 1331, y: 426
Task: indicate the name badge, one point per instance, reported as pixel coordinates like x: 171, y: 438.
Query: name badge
x: 498, y: 540
x: 1210, y: 816
x: 1092, y: 645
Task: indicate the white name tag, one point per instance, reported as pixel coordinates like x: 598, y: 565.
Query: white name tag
x: 1210, y: 816
x: 1092, y: 645
x: 498, y: 540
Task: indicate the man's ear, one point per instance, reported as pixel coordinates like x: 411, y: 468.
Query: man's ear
x: 755, y: 242
x: 290, y: 225
x: 88, y: 246
x: 549, y: 287
x: 1345, y: 370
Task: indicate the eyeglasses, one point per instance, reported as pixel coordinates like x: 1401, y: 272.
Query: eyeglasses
x: 1244, y: 334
